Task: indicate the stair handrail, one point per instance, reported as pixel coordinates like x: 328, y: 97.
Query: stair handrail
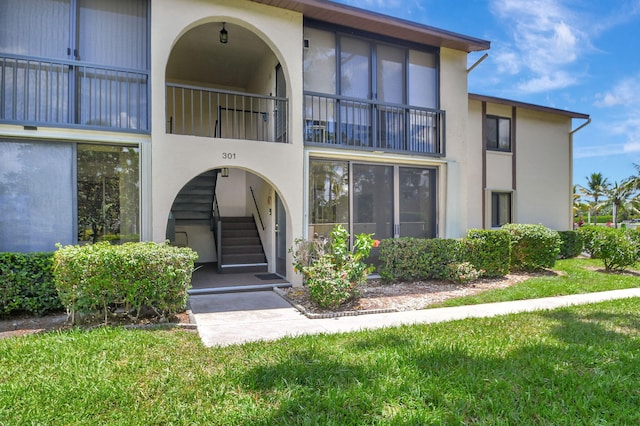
x: 257, y: 209
x: 216, y: 224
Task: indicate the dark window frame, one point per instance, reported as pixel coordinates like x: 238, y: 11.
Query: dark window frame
x: 493, y: 140
x: 497, y: 200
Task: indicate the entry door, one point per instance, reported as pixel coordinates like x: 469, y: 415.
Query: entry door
x: 281, y: 106
x: 281, y: 238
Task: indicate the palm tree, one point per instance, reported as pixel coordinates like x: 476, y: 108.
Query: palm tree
x: 596, y: 188
x: 618, y: 196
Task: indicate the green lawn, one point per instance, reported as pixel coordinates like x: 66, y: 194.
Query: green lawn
x: 578, y: 365
x: 574, y: 276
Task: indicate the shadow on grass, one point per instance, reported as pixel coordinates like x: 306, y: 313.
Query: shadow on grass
x: 581, y: 368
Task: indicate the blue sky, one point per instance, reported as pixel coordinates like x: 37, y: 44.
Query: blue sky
x: 582, y: 56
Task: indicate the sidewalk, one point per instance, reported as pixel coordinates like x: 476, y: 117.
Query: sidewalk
x: 235, y: 318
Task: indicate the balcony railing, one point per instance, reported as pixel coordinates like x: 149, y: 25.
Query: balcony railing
x: 38, y: 91
x: 200, y: 111
x: 371, y: 125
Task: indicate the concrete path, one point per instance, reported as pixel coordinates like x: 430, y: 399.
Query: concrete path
x: 234, y: 318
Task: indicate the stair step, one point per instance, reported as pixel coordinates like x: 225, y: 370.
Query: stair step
x: 238, y: 219
x: 241, y: 226
x: 235, y: 269
x: 239, y: 249
x: 240, y: 259
x: 235, y: 233
x: 240, y: 241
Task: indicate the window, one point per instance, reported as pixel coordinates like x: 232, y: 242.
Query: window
x: 108, y: 193
x: 368, y: 191
x: 367, y: 93
x: 498, y: 133
x: 75, y: 62
x: 47, y: 197
x: 500, y: 208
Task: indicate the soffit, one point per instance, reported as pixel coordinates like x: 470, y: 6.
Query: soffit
x: 365, y: 20
x: 534, y: 107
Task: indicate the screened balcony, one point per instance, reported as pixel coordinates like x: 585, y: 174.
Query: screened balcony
x: 369, y: 125
x: 233, y: 90
x: 36, y: 91
x: 75, y: 64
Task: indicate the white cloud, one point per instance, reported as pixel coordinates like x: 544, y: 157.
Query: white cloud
x: 606, y: 150
x: 547, y: 41
x: 625, y: 92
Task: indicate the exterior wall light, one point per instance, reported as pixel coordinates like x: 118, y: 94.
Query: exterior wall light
x: 224, y: 35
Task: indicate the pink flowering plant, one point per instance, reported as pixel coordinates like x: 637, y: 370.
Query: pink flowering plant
x: 332, y: 271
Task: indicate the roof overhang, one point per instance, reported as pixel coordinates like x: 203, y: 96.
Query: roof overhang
x: 364, y: 20
x: 501, y: 101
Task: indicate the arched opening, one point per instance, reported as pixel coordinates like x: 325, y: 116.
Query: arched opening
x: 236, y: 222
x: 233, y: 90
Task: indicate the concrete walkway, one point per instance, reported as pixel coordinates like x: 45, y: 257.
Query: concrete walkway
x: 234, y: 318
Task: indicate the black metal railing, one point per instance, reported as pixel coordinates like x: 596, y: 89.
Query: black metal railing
x: 372, y: 125
x: 41, y: 91
x: 201, y: 111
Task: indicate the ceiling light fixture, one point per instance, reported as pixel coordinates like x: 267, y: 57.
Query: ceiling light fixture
x: 224, y: 35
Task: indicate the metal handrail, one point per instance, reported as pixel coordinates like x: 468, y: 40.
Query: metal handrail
x: 373, y: 125
x: 257, y: 209
x: 218, y: 113
x: 71, y: 93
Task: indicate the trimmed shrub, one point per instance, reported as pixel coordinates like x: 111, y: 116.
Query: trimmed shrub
x: 618, y: 248
x: 26, y: 284
x: 101, y: 276
x: 588, y: 234
x: 532, y: 246
x: 413, y: 259
x: 572, y: 244
x: 488, y: 251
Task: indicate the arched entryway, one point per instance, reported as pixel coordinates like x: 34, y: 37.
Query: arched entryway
x: 234, y: 89
x: 236, y: 222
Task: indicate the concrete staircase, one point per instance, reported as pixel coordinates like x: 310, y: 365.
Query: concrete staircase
x: 242, y: 249
x: 193, y: 203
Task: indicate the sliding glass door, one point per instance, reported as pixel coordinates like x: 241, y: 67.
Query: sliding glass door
x: 384, y: 200
x: 417, y: 202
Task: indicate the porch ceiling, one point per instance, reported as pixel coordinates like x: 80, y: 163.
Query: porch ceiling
x: 328, y: 11
x: 200, y: 57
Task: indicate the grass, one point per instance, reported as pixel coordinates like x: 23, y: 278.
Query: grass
x: 576, y: 276
x: 575, y: 365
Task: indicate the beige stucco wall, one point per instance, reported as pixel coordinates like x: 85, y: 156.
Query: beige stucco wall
x: 175, y: 159
x: 543, y: 167
x: 454, y: 182
x: 475, y: 190
x: 543, y: 182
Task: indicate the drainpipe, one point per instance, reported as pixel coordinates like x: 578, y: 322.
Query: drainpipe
x: 476, y: 63
x: 582, y: 126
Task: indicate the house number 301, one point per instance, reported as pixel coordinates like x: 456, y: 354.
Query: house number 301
x: 228, y: 155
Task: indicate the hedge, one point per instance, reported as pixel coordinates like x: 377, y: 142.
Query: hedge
x: 413, y: 259
x: 134, y: 276
x: 572, y: 244
x: 533, y: 247
x: 488, y: 251
x: 26, y: 284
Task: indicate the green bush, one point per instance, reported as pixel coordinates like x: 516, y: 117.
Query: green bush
x: 331, y: 271
x: 618, y: 248
x: 572, y: 244
x: 588, y: 233
x: 532, y: 246
x: 26, y: 283
x: 132, y: 275
x: 489, y: 251
x: 413, y: 259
